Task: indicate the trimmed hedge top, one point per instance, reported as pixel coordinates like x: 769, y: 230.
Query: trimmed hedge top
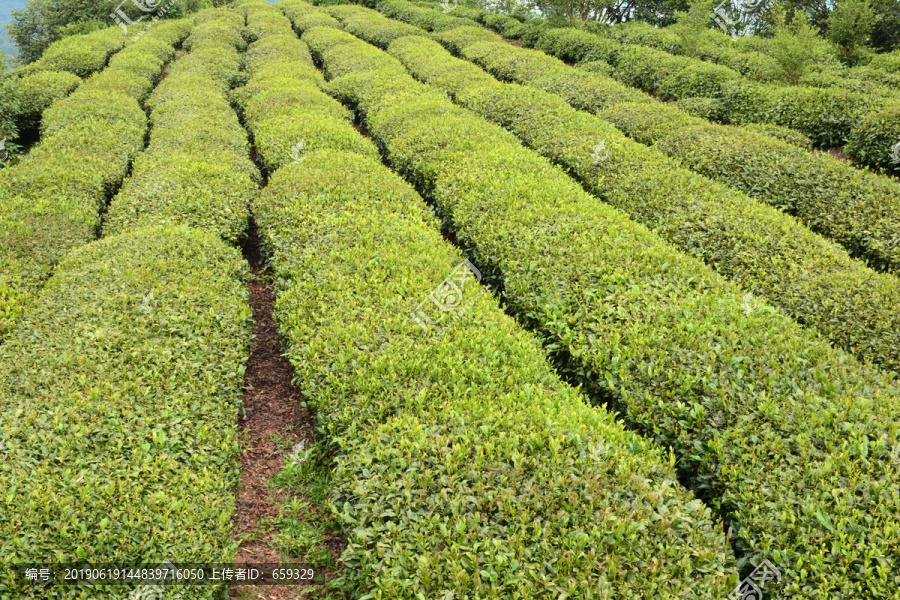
x: 463, y: 455
x: 59, y: 72
x: 777, y: 429
x: 859, y: 210
x: 117, y: 409
x: 51, y: 201
x: 80, y: 54
x: 767, y: 252
x: 441, y: 441
x: 826, y: 115
x: 196, y: 170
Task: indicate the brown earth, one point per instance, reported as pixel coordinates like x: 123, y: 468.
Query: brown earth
x: 272, y: 424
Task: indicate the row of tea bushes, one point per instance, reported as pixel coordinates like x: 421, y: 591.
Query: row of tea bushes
x: 715, y: 47
x: 767, y: 252
x: 433, y: 20
x: 751, y: 64
x: 826, y: 115
x: 118, y: 405
x: 745, y: 56
x: 196, y: 170
x: 285, y: 109
x: 379, y: 32
x: 262, y: 19
x: 36, y: 92
x: 759, y: 247
x: 861, y: 80
x: 80, y: 54
x: 858, y: 209
x: 127, y: 442
x: 132, y: 72
x: 60, y: 70
x: 585, y: 90
x: 588, y: 91
x: 441, y: 435
x: 136, y: 69
x: 303, y: 15
x: 787, y: 436
x: 51, y: 201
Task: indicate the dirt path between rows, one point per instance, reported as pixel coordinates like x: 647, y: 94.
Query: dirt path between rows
x: 273, y: 423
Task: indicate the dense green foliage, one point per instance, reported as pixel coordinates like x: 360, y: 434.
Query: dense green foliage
x: 381, y: 33
x: 710, y: 109
x: 64, y: 64
x: 59, y: 71
x: 582, y: 89
x: 691, y: 24
x: 759, y: 247
x: 774, y: 427
x: 875, y: 140
x: 825, y: 115
x: 858, y: 209
x: 793, y: 54
x: 36, y: 92
x: 866, y: 225
x: 792, y: 46
x: 666, y: 257
x: 128, y: 444
x: 118, y: 405
x: 507, y: 26
x: 889, y: 62
x: 79, y: 54
x: 50, y: 202
x: 282, y: 107
x: 45, y: 26
x: 9, y: 108
x: 827, y: 108
x: 196, y: 170
x: 435, y: 432
x: 849, y: 27
x: 785, y: 134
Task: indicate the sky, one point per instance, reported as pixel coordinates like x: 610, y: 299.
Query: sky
x: 6, y: 7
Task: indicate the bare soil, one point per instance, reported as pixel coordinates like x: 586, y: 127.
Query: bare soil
x: 272, y: 424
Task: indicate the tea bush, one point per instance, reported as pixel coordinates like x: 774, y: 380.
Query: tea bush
x: 36, y: 92
x: 710, y: 109
x: 765, y: 416
x: 118, y: 405
x: 80, y: 54
x: 875, y: 140
x: 785, y: 134
x: 826, y: 115
x: 347, y: 234
x: 196, y: 170
x: 52, y: 199
x: 759, y: 247
x: 855, y: 208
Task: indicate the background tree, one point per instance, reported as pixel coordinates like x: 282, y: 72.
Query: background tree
x: 659, y: 13
x: 573, y: 12
x: 849, y: 28
x: 886, y: 31
x: 691, y: 26
x: 42, y: 21
x: 794, y: 44
x: 817, y: 12
x: 656, y: 12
